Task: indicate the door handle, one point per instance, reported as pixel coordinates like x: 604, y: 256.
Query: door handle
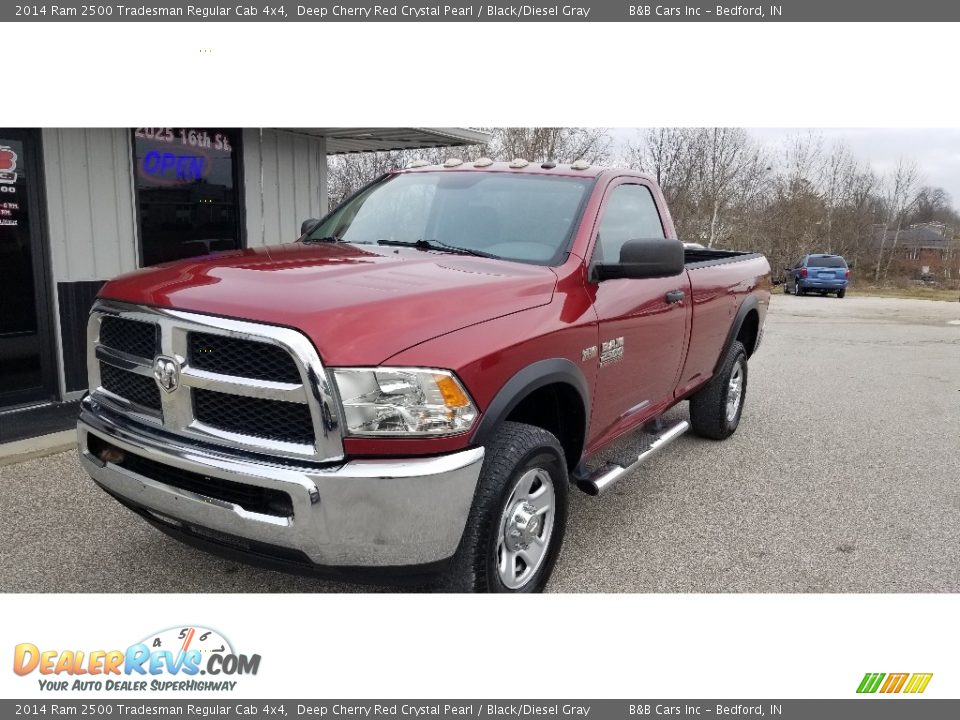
x: 675, y: 296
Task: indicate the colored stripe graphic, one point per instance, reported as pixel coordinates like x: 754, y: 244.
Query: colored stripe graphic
x: 894, y: 682
x: 870, y: 682
x: 918, y: 683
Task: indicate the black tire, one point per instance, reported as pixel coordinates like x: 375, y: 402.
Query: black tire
x: 708, y: 407
x: 515, y: 448
x: 823, y: 293
x: 797, y: 291
x: 841, y: 293
x: 786, y: 288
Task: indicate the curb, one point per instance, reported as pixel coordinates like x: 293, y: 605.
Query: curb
x: 36, y: 447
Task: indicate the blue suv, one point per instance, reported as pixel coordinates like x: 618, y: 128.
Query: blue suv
x: 818, y: 273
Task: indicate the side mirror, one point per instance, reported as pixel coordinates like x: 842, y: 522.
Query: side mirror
x: 644, y: 258
x: 308, y: 225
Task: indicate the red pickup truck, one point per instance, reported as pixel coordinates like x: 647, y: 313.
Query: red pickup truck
x: 414, y: 385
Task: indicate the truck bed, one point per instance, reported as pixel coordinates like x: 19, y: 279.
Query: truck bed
x: 703, y: 257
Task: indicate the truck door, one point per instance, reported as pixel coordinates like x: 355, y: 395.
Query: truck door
x: 643, y: 324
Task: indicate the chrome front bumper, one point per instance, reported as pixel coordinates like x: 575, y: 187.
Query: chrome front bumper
x: 362, y: 513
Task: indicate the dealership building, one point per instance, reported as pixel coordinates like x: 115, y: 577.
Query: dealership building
x: 80, y: 206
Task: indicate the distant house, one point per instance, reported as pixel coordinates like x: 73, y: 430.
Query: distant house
x: 923, y: 249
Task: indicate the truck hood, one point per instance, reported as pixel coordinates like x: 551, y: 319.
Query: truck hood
x: 359, y: 305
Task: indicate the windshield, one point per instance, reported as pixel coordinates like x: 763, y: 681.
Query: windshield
x: 528, y: 218
x: 832, y: 261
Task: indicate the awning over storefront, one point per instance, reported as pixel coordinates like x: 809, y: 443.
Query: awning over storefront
x: 350, y: 140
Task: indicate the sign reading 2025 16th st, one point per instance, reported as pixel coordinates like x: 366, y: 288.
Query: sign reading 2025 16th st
x: 187, y: 658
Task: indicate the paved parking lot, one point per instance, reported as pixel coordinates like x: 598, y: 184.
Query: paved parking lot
x: 843, y: 477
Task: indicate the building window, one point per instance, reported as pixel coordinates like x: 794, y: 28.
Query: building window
x: 187, y: 191
x: 21, y: 331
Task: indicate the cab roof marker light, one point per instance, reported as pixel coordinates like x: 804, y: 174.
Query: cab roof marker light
x: 418, y: 163
x: 517, y: 163
x: 453, y: 162
x: 579, y: 165
x: 483, y: 162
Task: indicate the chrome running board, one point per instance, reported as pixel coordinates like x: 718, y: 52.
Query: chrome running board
x: 605, y: 476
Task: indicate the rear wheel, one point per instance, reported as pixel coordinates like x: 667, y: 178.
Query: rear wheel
x: 798, y: 291
x: 515, y: 529
x: 841, y: 293
x: 715, y: 410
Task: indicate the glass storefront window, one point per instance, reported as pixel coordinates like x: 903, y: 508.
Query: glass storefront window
x: 20, y: 339
x: 187, y: 192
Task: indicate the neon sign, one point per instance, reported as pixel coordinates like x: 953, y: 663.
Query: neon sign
x: 168, y: 167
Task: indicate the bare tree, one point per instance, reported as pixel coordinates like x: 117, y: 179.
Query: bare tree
x: 730, y: 158
x: 901, y: 196
x: 673, y: 157
x: 725, y: 189
x: 348, y: 173
x: 707, y: 174
x: 542, y: 144
x: 933, y: 205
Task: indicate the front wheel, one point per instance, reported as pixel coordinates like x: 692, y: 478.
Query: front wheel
x: 515, y: 529
x: 716, y: 408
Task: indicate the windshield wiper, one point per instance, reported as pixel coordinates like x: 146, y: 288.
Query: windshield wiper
x: 328, y: 238
x: 436, y: 245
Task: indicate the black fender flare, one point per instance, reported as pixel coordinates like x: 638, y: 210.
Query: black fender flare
x: 749, y: 303
x: 525, y: 381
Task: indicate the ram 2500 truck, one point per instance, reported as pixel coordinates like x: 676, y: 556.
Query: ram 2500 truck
x: 416, y: 383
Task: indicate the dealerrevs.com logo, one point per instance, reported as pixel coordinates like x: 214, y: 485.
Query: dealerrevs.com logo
x: 179, y: 659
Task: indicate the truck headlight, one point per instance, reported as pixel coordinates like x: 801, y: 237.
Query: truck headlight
x: 403, y: 401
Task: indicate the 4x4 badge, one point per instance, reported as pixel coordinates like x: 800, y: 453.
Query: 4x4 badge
x: 167, y: 373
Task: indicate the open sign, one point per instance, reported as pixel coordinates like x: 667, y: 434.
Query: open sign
x: 170, y: 168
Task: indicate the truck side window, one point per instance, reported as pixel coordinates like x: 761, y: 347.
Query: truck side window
x: 630, y: 214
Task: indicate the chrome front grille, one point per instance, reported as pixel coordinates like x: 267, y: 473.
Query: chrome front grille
x: 271, y: 419
x: 233, y: 383
x: 141, y: 390
x: 130, y: 336
x: 232, y: 356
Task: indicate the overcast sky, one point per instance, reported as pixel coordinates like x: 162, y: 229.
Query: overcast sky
x: 937, y: 151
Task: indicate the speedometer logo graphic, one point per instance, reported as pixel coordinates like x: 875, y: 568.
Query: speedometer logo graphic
x: 193, y: 637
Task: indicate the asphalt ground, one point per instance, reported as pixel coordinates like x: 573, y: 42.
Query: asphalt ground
x: 844, y: 476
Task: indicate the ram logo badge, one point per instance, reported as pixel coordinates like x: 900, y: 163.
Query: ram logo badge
x: 611, y: 351
x: 166, y: 371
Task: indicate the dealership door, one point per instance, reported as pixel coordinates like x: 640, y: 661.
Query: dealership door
x: 26, y: 373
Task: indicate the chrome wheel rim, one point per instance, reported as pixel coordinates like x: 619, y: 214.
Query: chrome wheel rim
x: 525, y: 528
x: 734, y: 391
